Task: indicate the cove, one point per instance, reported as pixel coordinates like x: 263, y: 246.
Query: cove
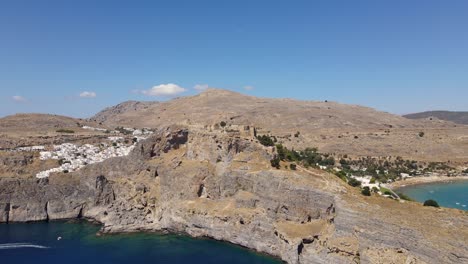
x: 38, y: 243
x: 447, y: 194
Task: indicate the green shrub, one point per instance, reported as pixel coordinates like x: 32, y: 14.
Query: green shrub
x: 366, y: 191
x: 292, y: 166
x: 421, y: 134
x: 404, y: 197
x: 275, y: 162
x: 222, y: 124
x: 65, y: 131
x: 372, y: 181
x: 431, y: 202
x: 341, y: 175
x: 266, y: 140
x: 353, y: 182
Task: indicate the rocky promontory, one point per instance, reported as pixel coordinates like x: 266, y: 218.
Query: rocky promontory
x: 217, y: 185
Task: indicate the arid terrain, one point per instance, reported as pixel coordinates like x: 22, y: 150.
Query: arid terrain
x: 330, y: 126
x: 204, y: 173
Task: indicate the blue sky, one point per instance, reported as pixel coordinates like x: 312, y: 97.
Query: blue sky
x: 396, y: 56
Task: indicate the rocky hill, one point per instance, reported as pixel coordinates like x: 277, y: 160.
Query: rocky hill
x: 330, y: 126
x: 36, y: 122
x: 211, y: 184
x: 456, y: 117
x: 125, y: 108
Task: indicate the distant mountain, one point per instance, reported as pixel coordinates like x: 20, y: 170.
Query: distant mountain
x: 456, y: 117
x: 128, y: 107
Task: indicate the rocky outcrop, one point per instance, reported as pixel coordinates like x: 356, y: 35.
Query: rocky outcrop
x: 223, y: 187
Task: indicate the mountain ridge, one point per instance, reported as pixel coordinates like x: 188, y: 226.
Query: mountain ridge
x: 459, y: 117
x: 332, y: 127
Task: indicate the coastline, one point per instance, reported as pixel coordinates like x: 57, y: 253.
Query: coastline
x: 425, y: 180
x: 159, y: 232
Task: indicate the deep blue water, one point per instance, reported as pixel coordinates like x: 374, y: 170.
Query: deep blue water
x: 450, y: 194
x: 79, y: 244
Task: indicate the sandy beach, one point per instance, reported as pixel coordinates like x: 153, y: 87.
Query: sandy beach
x: 426, y: 179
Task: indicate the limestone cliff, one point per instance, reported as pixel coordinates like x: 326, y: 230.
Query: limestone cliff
x: 216, y: 185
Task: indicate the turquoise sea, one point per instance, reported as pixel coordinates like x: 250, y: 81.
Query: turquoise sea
x: 448, y: 194
x: 37, y: 243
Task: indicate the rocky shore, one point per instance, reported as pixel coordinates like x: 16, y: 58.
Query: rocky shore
x: 215, y: 185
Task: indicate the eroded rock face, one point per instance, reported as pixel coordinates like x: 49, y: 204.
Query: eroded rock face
x: 214, y: 185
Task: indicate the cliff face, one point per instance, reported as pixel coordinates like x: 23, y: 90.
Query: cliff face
x: 215, y: 185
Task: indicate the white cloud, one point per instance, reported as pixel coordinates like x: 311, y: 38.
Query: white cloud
x: 168, y: 89
x: 86, y: 94
x: 249, y: 87
x: 19, y: 99
x: 201, y: 87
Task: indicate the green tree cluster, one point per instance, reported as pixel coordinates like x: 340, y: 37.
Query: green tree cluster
x: 431, y: 202
x: 366, y: 191
x: 353, y: 182
x: 266, y: 140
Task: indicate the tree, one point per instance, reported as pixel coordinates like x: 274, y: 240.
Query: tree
x: 222, y: 124
x: 281, y: 151
x: 292, y: 166
x: 275, y: 162
x: 431, y: 202
x: 421, y: 134
x: 366, y: 191
x: 266, y: 140
x: 353, y: 182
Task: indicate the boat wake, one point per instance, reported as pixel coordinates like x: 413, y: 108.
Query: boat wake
x: 20, y: 245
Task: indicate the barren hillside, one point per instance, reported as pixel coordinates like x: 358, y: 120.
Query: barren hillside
x: 330, y: 126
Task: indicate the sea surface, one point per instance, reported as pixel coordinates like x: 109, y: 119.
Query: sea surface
x: 38, y: 243
x: 447, y: 194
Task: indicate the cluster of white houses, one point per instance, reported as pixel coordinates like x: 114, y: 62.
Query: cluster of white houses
x: 73, y: 157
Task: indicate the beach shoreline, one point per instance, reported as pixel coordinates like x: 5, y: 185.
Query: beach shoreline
x: 425, y: 180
